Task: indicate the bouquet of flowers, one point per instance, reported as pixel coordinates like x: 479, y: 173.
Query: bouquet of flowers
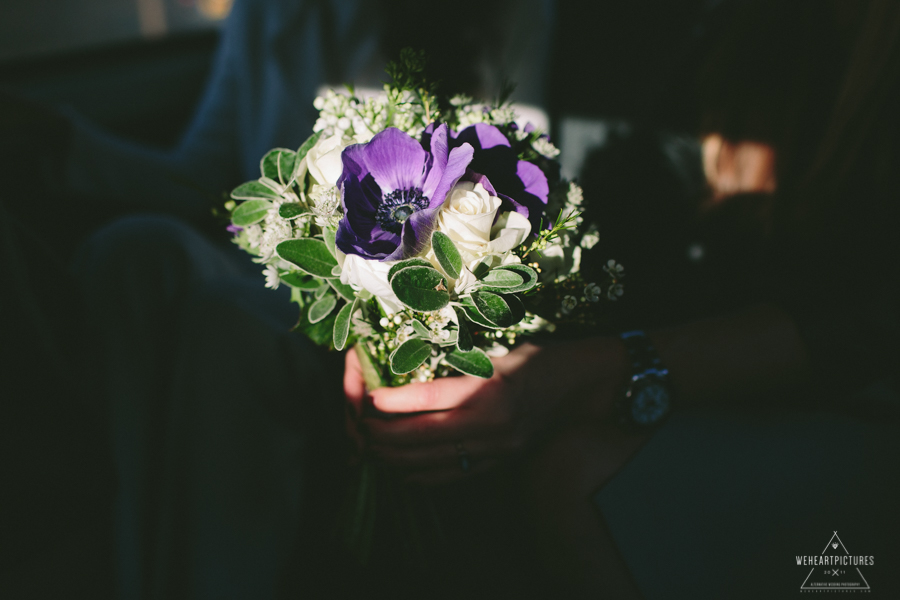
x: 431, y: 235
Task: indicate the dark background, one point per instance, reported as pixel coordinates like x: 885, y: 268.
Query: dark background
x: 137, y: 67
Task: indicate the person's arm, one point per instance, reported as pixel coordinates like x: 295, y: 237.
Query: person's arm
x: 726, y: 359
x: 178, y: 180
x: 535, y: 390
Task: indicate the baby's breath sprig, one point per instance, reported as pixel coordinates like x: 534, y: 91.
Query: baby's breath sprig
x: 567, y: 220
x: 407, y: 74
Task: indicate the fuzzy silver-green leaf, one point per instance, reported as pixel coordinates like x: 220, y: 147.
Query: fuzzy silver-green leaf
x: 421, y: 288
x: 411, y: 262
x: 321, y: 308
x: 253, y: 190
x: 278, y: 164
x: 493, y: 307
x: 250, y: 212
x: 309, y: 255
x: 447, y: 255
x: 475, y: 362
x: 409, y: 356
x: 342, y: 325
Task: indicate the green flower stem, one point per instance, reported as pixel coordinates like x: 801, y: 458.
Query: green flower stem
x: 371, y: 373
x: 402, y: 512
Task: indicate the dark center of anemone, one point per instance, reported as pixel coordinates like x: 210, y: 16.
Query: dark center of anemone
x: 398, y: 206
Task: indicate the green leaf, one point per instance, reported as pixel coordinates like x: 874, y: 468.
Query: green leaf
x: 447, y: 254
x: 321, y: 333
x: 475, y: 362
x: 529, y: 278
x: 516, y: 307
x: 420, y: 329
x: 299, y: 280
x: 321, y: 308
x: 278, y: 164
x: 502, y: 278
x: 476, y: 317
x: 253, y: 190
x: 464, y: 340
x: 322, y: 290
x: 309, y: 143
x: 409, y: 356
x: 250, y: 212
x: 328, y: 235
x: 302, y: 151
x: 309, y: 255
x: 419, y: 288
x: 290, y: 210
x: 411, y: 262
x: 493, y: 308
x: 345, y: 291
x: 342, y: 325
x: 480, y: 270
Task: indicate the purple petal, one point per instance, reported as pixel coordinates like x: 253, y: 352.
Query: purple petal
x: 482, y: 179
x: 354, y: 160
x: 509, y: 204
x: 457, y: 163
x: 534, y: 180
x: 425, y: 138
x: 364, y: 195
x: 440, y: 149
x: 358, y: 232
x: 483, y: 136
x: 376, y: 248
x: 345, y: 239
x: 416, y: 234
x: 395, y: 160
x: 534, y: 196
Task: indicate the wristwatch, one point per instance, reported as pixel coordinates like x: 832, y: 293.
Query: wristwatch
x: 646, y: 398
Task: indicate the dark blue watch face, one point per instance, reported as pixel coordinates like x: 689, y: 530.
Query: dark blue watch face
x: 650, y: 402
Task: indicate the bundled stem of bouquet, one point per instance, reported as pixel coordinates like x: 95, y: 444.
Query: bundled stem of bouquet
x: 429, y: 234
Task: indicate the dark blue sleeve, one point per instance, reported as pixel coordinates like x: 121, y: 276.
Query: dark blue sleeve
x: 182, y: 180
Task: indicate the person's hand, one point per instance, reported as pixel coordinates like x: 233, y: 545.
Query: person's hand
x: 487, y: 421
x: 355, y: 393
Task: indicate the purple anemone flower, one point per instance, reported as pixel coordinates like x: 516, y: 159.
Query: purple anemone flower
x: 522, y: 185
x: 392, y: 189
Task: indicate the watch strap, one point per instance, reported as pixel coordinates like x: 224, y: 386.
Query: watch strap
x: 642, y: 354
x: 646, y: 370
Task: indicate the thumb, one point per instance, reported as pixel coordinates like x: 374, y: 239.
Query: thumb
x: 354, y: 384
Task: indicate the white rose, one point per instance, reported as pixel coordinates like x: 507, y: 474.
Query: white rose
x: 511, y: 230
x: 324, y: 160
x: 371, y: 276
x: 467, y: 217
x: 466, y: 280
